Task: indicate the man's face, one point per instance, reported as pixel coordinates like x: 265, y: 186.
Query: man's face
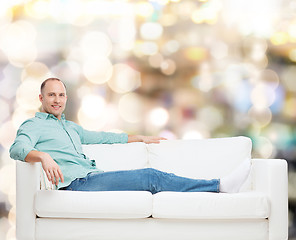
x: 53, y: 98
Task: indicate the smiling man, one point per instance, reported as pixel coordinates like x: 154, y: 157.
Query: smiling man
x: 57, y: 143
x: 53, y: 97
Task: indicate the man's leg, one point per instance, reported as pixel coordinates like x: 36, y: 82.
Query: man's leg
x: 147, y: 179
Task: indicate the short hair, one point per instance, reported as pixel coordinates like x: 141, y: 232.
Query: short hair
x: 51, y: 79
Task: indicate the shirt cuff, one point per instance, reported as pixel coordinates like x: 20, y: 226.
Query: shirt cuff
x: 20, y: 153
x: 124, y: 137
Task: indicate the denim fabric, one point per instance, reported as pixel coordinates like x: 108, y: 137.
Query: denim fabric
x: 147, y: 179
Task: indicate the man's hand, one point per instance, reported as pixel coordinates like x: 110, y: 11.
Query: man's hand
x: 145, y: 139
x: 152, y: 139
x: 51, y: 168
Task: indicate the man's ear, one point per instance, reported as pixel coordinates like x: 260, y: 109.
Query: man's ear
x: 40, y: 97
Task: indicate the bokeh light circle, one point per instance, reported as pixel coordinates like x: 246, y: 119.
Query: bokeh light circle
x: 96, y: 44
x: 158, y: 116
x: 92, y: 113
x: 124, y: 79
x: 131, y: 108
x: 98, y: 70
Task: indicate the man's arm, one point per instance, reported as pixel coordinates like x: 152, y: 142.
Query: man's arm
x: 94, y: 137
x: 145, y: 139
x: 23, y: 149
x: 51, y: 168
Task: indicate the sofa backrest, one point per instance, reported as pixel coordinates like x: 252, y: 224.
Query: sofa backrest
x: 204, y: 159
x: 112, y: 157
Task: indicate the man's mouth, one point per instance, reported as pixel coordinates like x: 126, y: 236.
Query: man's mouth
x: 56, y: 107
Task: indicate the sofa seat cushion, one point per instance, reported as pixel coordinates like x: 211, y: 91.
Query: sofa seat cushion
x: 193, y: 205
x: 78, y: 204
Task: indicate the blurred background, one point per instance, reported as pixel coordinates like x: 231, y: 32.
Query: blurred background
x: 179, y: 69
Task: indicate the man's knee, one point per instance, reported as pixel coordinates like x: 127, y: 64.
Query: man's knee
x: 153, y: 172
x: 150, y: 171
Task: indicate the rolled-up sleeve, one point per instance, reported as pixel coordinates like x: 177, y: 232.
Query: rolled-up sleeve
x: 24, y: 142
x: 94, y: 137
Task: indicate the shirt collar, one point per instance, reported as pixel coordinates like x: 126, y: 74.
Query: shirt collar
x: 44, y: 115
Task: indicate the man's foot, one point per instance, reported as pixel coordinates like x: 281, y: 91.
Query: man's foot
x: 233, y: 182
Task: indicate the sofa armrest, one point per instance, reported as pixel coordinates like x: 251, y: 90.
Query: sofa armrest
x: 271, y: 177
x: 27, y: 184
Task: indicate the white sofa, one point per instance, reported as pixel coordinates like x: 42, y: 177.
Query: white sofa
x: 258, y: 211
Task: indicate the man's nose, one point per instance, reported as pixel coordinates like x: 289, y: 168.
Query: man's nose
x: 57, y: 99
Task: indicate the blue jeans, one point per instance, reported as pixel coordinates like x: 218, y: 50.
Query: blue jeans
x: 147, y: 179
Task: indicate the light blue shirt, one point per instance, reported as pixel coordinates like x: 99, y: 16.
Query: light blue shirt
x: 62, y: 140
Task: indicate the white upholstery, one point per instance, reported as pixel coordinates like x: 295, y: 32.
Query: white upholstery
x: 261, y: 212
x: 27, y: 184
x: 151, y: 228
x: 127, y: 204
x: 72, y: 204
x: 191, y: 205
x: 112, y: 157
x: 271, y: 178
x: 204, y: 159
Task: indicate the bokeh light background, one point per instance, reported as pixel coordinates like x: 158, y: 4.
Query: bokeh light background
x: 179, y: 69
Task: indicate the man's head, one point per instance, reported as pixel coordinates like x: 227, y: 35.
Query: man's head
x: 53, y: 97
